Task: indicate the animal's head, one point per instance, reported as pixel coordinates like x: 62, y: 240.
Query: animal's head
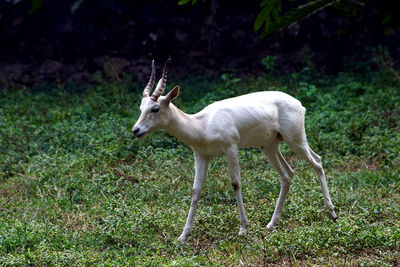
x: 155, y: 109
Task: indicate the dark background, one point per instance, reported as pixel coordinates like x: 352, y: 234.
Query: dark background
x: 53, y: 42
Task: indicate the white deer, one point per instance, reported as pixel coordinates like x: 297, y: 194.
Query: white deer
x: 262, y: 119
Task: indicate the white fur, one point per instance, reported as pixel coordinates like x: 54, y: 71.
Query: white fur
x: 262, y: 120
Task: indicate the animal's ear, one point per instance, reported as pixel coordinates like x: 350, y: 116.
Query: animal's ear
x: 173, y: 93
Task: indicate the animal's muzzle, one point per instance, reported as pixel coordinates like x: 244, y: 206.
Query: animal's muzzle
x: 136, y: 132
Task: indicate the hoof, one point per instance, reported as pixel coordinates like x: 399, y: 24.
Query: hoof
x: 182, y: 239
x: 270, y: 226
x: 333, y: 215
x: 242, y: 231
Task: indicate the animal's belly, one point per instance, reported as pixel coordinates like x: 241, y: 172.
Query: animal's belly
x: 209, y: 151
x: 257, y: 137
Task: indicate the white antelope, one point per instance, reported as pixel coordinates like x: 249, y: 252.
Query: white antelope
x: 262, y: 119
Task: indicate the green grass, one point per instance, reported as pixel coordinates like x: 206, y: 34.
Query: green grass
x: 77, y: 189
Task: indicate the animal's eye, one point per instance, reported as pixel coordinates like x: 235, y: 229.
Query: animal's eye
x: 155, y: 109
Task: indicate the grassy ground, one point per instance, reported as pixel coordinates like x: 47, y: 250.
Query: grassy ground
x: 77, y: 189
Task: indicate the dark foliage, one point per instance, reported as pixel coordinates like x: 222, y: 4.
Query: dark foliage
x: 44, y: 40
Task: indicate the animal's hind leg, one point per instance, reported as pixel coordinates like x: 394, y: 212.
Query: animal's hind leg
x: 303, y: 150
x: 286, y: 173
x: 321, y: 174
x: 233, y: 166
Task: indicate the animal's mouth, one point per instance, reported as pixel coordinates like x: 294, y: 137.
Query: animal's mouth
x: 140, y: 134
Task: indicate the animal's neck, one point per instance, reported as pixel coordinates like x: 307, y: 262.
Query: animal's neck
x: 185, y: 127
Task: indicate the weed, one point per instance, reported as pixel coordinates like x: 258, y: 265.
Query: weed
x: 77, y: 189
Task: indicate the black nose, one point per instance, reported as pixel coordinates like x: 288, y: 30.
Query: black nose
x: 135, y: 131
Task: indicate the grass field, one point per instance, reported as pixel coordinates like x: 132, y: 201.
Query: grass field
x: 77, y: 189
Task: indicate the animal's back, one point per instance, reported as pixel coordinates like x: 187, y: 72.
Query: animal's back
x: 259, y: 99
x: 254, y: 119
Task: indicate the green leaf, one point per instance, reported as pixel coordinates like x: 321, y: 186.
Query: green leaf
x: 183, y: 2
x: 36, y: 4
x: 295, y: 15
x: 76, y: 5
x: 267, y: 21
x: 275, y: 15
x: 279, y: 6
x: 270, y: 7
x: 264, y: 3
x: 386, y: 18
x: 261, y: 18
x: 270, y: 3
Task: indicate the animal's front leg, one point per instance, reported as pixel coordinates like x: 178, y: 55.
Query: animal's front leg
x: 201, y: 164
x: 233, y: 165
